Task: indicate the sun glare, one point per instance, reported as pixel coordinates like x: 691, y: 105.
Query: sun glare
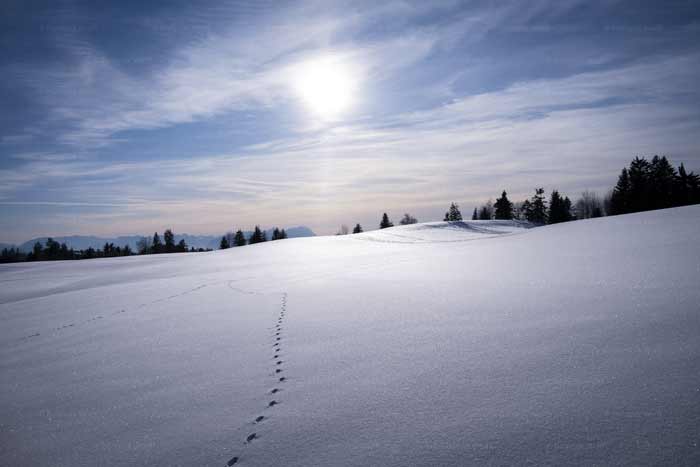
x: 326, y: 86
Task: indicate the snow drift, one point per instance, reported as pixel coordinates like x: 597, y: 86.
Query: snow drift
x: 431, y: 344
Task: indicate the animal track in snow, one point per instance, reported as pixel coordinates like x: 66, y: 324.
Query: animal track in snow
x: 277, y: 349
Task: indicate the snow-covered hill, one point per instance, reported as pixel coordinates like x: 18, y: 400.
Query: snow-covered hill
x: 475, y: 343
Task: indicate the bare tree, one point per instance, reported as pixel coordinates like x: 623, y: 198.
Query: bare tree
x: 344, y: 230
x: 144, y: 245
x: 589, y: 205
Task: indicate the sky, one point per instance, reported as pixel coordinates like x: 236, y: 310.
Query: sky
x: 129, y: 117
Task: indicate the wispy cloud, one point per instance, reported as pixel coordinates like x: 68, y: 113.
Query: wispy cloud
x: 425, y: 131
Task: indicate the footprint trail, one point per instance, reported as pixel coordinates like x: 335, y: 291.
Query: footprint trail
x: 278, y: 368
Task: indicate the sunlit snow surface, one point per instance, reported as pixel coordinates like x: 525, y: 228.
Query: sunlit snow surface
x: 481, y: 343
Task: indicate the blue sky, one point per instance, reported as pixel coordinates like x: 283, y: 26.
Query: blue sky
x: 123, y: 117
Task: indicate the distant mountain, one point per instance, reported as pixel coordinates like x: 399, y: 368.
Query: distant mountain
x: 83, y: 242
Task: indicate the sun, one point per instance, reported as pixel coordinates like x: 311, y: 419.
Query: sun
x: 326, y: 85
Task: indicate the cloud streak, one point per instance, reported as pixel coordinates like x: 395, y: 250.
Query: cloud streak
x: 426, y: 131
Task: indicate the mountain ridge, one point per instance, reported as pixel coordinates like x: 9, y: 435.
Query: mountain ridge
x: 82, y: 242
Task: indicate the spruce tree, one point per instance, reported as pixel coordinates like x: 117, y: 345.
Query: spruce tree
x: 484, y: 214
x: 619, y: 201
x: 504, y: 208
x: 681, y: 190
x: 385, y: 222
x: 661, y: 184
x: 65, y: 254
x: 37, y: 252
x: 687, y: 188
x: 475, y: 216
x: 640, y: 186
x: 53, y: 248
x: 526, y: 209
x: 537, y: 209
x: 257, y: 237
x: 454, y: 214
x: 181, y: 246
x: 275, y: 234
x: 223, y: 244
x: 357, y: 229
x: 169, y: 238
x: 239, y: 238
x: 559, y: 209
x: 156, y: 245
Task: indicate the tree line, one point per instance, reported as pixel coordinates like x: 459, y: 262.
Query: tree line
x: 154, y: 245
x: 654, y: 184
x: 230, y: 239
x: 54, y: 251
x: 644, y: 186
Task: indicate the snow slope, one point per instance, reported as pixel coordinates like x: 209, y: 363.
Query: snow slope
x: 478, y: 343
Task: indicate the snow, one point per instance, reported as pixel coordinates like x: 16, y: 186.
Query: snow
x: 481, y: 342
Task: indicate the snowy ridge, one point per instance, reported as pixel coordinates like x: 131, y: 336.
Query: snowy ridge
x: 444, y: 232
x: 567, y: 344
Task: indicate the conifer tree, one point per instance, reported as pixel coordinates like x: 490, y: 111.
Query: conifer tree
x: 156, y: 245
x: 257, y: 237
x: 169, y: 238
x: 181, y: 246
x: 239, y: 239
x: 525, y: 209
x: 537, y: 209
x: 559, y: 208
x: 661, y: 184
x: 681, y: 189
x: 223, y: 244
x: 52, y: 249
x: 90, y: 253
x: 619, y: 201
x: 357, y: 229
x: 283, y: 234
x: 276, y: 234
x: 65, y: 254
x: 385, y: 222
x: 504, y: 208
x: 639, y: 176
x: 454, y: 214
x: 475, y: 216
